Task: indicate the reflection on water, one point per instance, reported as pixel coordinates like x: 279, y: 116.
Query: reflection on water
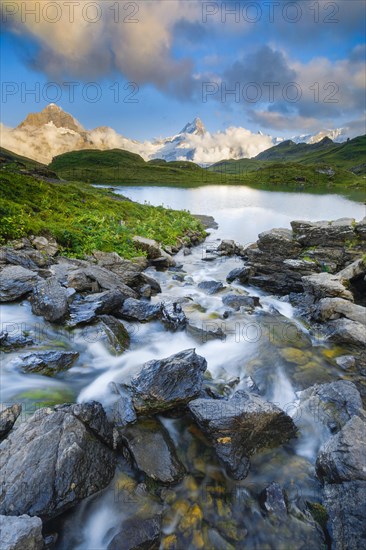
x: 243, y: 212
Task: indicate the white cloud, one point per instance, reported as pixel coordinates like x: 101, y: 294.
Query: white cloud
x: 233, y: 143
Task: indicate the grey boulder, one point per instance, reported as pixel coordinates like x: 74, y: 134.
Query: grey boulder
x: 8, y: 417
x: 85, y: 310
x: 55, y: 459
x: 173, y: 316
x: 164, y: 384
x: 50, y: 300
x: 343, y: 456
x: 139, y: 310
x: 240, y: 274
x: 335, y: 308
x: 332, y: 404
x: 16, y: 282
x: 346, y: 507
x: 153, y: 450
x: 115, y: 334
x: 21, y: 533
x: 240, y: 426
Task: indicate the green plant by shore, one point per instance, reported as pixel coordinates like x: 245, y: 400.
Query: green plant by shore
x: 82, y: 218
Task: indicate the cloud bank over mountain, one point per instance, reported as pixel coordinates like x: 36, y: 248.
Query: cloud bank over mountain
x: 41, y: 136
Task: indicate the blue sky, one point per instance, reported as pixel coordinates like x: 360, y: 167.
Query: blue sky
x: 183, y: 57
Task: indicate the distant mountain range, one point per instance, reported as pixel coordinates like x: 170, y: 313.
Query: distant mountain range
x: 51, y: 132
x: 323, y: 164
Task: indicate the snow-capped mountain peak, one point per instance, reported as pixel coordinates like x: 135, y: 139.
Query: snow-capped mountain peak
x: 51, y: 132
x: 196, y: 127
x: 52, y: 114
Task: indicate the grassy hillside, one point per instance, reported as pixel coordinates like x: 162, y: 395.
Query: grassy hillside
x: 122, y: 167
x: 300, y: 175
x: 236, y: 167
x: 346, y: 155
x: 11, y: 162
x: 82, y: 218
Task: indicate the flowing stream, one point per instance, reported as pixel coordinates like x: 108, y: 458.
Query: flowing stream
x: 255, y: 351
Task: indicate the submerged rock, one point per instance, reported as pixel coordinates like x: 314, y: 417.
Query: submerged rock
x: 50, y: 300
x: 164, y: 384
x: 48, y: 362
x: 16, y: 282
x: 237, y: 301
x: 333, y: 404
x: 211, y: 287
x: 153, y: 450
x: 138, y: 533
x: 116, y: 333
x: 55, y: 459
x: 346, y: 362
x: 273, y: 501
x: 240, y: 426
x: 8, y: 418
x: 207, y: 331
x: 9, y: 342
x: 21, y: 533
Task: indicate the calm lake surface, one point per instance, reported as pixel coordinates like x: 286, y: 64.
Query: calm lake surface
x: 243, y: 212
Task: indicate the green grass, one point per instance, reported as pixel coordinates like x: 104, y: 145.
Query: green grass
x: 124, y: 168
x: 11, y: 162
x: 345, y: 155
x: 82, y: 218
x: 121, y: 167
x: 300, y: 175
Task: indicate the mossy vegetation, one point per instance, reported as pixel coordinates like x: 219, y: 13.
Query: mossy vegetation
x: 82, y: 218
x: 122, y: 167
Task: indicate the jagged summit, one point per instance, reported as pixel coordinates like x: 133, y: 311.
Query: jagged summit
x: 196, y: 127
x: 52, y: 114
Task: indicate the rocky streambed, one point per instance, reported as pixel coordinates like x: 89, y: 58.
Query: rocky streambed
x: 210, y: 400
